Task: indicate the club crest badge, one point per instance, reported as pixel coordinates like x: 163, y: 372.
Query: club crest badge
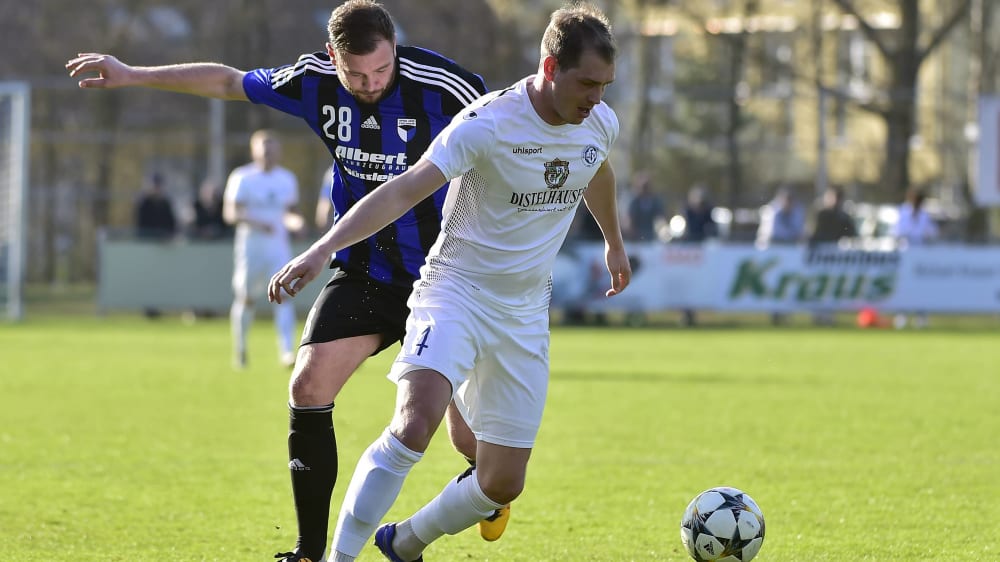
x: 406, y: 128
x: 590, y: 155
x: 556, y: 173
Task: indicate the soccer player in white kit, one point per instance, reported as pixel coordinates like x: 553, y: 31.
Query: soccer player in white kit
x: 520, y: 161
x: 259, y: 200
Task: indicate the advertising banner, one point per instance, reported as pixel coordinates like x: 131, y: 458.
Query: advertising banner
x: 955, y: 279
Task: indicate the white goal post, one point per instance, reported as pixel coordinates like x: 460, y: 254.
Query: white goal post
x: 15, y: 125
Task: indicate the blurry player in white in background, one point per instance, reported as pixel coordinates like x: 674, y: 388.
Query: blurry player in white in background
x: 259, y: 200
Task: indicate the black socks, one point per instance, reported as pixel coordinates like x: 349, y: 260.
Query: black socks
x: 312, y: 455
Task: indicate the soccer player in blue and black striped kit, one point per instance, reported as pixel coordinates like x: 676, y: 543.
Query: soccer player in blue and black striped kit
x: 376, y: 106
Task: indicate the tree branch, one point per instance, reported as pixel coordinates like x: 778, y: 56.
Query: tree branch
x: 871, y: 107
x: 944, y: 30
x: 847, y: 6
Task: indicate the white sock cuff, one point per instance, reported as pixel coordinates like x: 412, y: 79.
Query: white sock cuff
x: 479, y: 499
x: 397, y: 456
x: 459, y: 506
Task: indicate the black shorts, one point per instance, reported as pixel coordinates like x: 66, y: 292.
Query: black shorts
x: 353, y: 304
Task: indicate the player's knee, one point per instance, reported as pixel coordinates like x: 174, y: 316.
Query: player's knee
x: 414, y: 432
x: 307, y: 387
x: 502, y: 488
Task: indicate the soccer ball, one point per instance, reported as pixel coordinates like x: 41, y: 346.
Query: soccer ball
x: 722, y: 524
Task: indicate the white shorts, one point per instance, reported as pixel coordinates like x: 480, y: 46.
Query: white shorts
x: 253, y: 270
x: 497, y: 363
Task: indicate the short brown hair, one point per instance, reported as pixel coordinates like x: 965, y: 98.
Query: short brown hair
x: 573, y: 29
x: 356, y: 27
x: 261, y: 135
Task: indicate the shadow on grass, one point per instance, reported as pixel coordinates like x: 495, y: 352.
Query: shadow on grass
x: 679, y: 379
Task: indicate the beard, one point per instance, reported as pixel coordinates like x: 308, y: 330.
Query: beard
x: 372, y: 97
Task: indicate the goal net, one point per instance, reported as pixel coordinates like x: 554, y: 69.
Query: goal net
x: 14, y: 126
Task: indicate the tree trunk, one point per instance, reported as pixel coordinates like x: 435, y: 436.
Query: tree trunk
x: 899, y: 119
x: 977, y: 225
x: 896, y: 167
x: 108, y: 111
x: 735, y: 110
x: 642, y: 138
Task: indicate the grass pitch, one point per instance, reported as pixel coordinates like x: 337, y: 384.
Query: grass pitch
x: 127, y: 439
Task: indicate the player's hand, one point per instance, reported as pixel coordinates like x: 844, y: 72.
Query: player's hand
x: 620, y: 270
x: 111, y: 72
x: 296, y: 274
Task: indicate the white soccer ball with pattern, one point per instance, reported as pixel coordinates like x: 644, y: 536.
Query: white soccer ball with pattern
x: 722, y: 524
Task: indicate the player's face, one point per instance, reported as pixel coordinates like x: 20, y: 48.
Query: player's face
x: 367, y: 77
x: 265, y: 151
x: 577, y: 90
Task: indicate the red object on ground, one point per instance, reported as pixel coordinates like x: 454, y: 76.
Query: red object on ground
x: 868, y: 318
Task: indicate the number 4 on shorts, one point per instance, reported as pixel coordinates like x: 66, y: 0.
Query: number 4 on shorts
x: 422, y: 344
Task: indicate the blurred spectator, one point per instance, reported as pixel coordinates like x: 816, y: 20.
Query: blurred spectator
x: 154, y: 214
x: 914, y: 228
x: 698, y: 222
x: 832, y: 221
x: 584, y: 229
x: 208, y: 222
x: 154, y: 220
x: 645, y: 211
x: 698, y: 227
x: 782, y: 221
x: 832, y: 224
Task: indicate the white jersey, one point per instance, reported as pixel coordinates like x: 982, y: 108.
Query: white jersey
x: 517, y: 181
x: 266, y: 196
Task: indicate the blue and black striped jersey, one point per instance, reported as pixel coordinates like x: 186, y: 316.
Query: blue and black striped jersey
x: 371, y: 143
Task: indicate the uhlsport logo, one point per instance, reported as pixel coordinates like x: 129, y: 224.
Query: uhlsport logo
x: 556, y: 173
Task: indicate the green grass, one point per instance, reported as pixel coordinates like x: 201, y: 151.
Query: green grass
x: 126, y: 439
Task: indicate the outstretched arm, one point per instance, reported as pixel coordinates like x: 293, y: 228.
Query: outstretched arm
x: 369, y: 215
x: 206, y: 79
x: 602, y: 204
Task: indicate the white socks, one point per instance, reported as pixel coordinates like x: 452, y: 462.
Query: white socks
x: 240, y: 318
x: 284, y: 323
x: 374, y: 487
x: 459, y: 506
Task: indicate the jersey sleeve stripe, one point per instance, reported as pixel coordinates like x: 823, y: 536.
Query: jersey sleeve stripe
x: 306, y: 62
x: 300, y: 68
x: 442, y: 74
x: 462, y: 98
x: 281, y: 78
x: 452, y: 82
x: 311, y: 58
